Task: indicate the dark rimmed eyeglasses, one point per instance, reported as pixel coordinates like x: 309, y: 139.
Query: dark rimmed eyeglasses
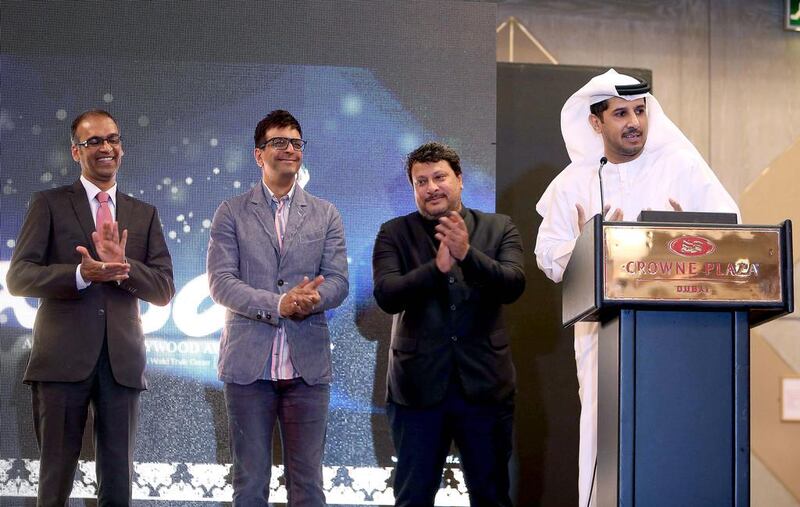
x: 94, y: 142
x: 281, y: 143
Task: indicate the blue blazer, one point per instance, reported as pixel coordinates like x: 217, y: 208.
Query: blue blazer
x: 248, y: 273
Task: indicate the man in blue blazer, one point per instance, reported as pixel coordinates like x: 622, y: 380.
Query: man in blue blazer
x: 277, y: 261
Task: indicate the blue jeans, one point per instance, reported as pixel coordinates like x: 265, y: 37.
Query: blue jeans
x: 302, y: 411
x: 482, y: 433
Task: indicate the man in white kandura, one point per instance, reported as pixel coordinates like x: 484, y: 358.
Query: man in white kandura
x: 650, y: 165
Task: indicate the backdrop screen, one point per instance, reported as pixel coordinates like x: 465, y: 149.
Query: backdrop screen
x: 187, y: 83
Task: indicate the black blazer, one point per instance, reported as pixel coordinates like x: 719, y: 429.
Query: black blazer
x: 448, y: 324
x: 70, y: 324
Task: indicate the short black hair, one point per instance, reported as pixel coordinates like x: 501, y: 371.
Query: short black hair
x: 433, y: 152
x: 598, y: 107
x: 277, y: 118
x: 78, y: 119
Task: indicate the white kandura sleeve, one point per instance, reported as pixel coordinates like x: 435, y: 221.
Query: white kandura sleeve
x: 558, y: 231
x: 710, y: 195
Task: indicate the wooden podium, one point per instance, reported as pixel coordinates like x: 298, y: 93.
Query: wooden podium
x: 676, y: 302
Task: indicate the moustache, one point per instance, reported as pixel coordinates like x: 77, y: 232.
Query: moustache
x: 436, y: 196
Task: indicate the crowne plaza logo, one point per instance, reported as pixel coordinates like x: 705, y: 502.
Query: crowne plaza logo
x: 691, y: 246
x: 694, y: 247
x: 657, y: 262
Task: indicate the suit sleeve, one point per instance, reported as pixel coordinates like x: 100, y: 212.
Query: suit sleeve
x: 503, y: 275
x: 394, y: 290
x: 224, y: 276
x: 333, y: 265
x: 29, y: 274
x: 151, y: 280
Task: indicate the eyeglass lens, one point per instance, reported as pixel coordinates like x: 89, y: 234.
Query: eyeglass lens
x: 281, y: 143
x: 113, y: 139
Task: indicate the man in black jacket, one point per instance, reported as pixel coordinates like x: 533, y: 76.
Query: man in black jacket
x: 444, y: 272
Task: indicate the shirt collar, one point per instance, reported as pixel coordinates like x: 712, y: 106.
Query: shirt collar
x: 92, y: 190
x: 632, y: 164
x: 271, y: 195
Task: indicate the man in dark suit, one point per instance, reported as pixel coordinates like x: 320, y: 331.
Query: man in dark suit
x: 277, y: 262
x: 444, y: 272
x: 88, y: 346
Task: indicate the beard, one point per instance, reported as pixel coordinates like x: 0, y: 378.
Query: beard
x: 439, y: 210
x: 622, y: 147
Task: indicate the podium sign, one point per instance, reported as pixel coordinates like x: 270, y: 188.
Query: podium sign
x: 661, y: 263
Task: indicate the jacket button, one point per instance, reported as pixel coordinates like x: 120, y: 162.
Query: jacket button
x: 280, y: 283
x: 101, y: 312
x: 452, y: 279
x: 269, y: 316
x: 453, y: 307
x: 258, y: 316
x: 454, y: 338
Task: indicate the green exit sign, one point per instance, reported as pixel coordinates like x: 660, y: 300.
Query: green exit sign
x: 793, y: 15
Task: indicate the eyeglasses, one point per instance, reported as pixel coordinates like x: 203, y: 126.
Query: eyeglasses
x: 281, y: 143
x: 95, y: 141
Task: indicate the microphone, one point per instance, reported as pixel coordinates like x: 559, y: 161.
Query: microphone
x: 603, y: 162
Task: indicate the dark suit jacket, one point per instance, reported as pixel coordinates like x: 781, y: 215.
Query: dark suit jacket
x: 448, y: 324
x: 70, y: 324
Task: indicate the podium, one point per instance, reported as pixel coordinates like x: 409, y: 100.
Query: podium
x: 675, y: 302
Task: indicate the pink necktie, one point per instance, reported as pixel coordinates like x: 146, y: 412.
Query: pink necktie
x: 103, y: 211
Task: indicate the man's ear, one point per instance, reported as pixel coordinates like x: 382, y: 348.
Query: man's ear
x: 595, y: 123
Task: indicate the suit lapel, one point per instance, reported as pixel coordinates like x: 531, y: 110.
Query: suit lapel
x: 469, y: 221
x: 83, y: 212
x: 297, y: 215
x: 258, y: 203
x: 420, y: 234
x: 124, y: 210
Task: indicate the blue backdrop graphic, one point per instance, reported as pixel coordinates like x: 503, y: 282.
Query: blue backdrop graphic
x: 187, y: 123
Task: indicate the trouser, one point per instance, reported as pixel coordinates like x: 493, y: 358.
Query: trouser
x: 302, y: 412
x: 422, y: 437
x: 60, y: 410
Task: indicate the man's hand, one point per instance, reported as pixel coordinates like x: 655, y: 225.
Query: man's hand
x: 302, y: 299
x: 452, y: 232
x: 615, y: 217
x: 98, y: 271
x: 581, y: 217
x: 675, y: 205
x: 108, y: 243
x: 444, y: 261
